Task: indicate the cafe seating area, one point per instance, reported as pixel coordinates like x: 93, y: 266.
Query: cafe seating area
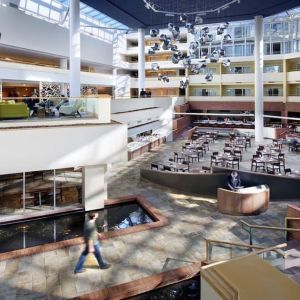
x: 206, y: 150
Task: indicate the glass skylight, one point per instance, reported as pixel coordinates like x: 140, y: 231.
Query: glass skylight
x: 92, y: 21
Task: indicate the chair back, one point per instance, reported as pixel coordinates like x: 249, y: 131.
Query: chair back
x: 154, y: 166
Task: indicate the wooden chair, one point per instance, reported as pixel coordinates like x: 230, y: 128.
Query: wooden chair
x: 274, y: 167
x: 214, y: 160
x: 227, y: 151
x: 167, y: 168
x: 238, y: 153
x: 233, y: 162
x: 154, y: 166
x: 206, y: 146
x: 178, y: 158
x: 281, y: 163
x: 200, y: 151
x: 257, y: 165
x: 193, y: 157
x: 186, y: 163
x: 206, y: 169
x: 248, y: 142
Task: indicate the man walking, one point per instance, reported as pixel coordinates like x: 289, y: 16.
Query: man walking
x: 92, y: 245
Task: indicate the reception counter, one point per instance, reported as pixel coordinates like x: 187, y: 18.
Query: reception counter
x: 246, y: 201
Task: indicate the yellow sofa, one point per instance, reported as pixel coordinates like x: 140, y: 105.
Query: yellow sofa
x: 13, y: 111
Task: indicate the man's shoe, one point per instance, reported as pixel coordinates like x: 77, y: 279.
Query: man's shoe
x: 107, y: 266
x: 80, y: 271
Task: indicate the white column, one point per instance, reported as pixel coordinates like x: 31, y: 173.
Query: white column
x: 186, y: 98
x: 115, y: 75
x: 74, y: 48
x: 259, y: 84
x: 94, y: 187
x: 141, y: 58
x: 63, y: 64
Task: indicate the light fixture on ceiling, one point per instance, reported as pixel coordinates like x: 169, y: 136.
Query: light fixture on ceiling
x: 183, y: 16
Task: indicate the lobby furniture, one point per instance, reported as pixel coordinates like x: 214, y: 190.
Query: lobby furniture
x: 273, y: 167
x: 71, y: 109
x: 177, y: 157
x: 233, y: 162
x: 287, y: 171
x: 13, y: 111
x: 246, y: 201
x: 275, y: 183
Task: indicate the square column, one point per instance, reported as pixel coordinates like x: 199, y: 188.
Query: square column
x: 259, y: 81
x: 94, y: 187
x: 74, y: 48
x: 141, y: 59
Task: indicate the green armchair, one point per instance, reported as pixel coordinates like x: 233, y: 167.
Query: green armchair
x: 13, y: 111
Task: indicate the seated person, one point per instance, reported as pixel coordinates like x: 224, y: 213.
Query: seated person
x: 142, y: 93
x: 233, y: 181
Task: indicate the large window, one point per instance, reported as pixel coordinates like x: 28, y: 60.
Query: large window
x: 29, y: 192
x: 205, y: 92
x: 272, y: 69
x: 273, y: 92
x: 240, y: 70
x: 238, y: 92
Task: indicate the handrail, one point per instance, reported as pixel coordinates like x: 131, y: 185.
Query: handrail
x: 260, y: 249
x: 251, y: 226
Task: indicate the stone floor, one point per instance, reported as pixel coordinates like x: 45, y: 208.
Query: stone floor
x: 193, y: 219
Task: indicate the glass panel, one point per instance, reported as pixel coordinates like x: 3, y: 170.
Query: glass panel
x: 276, y: 48
x: 39, y: 187
x: 238, y: 50
x: 68, y: 186
x: 44, y: 11
x: 11, y: 194
x: 238, y: 32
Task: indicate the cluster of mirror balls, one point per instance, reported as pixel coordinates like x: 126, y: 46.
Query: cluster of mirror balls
x: 202, y: 37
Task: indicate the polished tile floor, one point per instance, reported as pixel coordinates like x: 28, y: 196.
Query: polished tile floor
x: 193, y: 219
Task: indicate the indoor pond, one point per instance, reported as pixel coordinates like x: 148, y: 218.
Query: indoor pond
x: 54, y: 229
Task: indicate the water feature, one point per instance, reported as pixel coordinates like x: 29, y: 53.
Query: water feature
x: 68, y: 226
x: 184, y: 290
